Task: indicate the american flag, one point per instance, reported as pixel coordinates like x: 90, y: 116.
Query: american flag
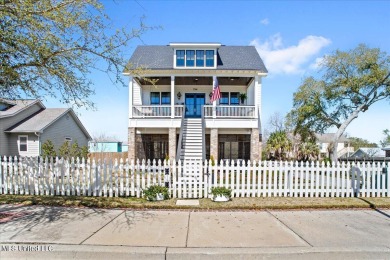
x: 216, y: 94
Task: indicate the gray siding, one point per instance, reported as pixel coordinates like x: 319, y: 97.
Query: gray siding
x: 7, y: 122
x: 66, y: 126
x: 32, y: 145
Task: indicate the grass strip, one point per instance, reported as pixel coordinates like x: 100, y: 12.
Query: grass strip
x: 260, y: 203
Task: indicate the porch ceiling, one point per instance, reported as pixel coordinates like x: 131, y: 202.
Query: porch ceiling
x: 200, y: 81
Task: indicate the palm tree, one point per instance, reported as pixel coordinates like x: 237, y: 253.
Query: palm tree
x: 278, y: 145
x: 307, y: 151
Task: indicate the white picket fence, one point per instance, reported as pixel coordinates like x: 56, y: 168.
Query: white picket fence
x: 75, y: 177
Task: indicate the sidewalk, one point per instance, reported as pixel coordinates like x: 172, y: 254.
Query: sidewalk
x: 150, y: 234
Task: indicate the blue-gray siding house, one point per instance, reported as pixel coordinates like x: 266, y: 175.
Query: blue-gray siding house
x: 26, y: 124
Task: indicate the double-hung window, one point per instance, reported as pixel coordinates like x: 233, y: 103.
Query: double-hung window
x: 180, y: 58
x: 23, y: 143
x: 190, y: 58
x: 199, y: 58
x: 160, y: 98
x: 224, y: 98
x: 165, y: 98
x: 234, y: 98
x: 209, y: 58
x: 155, y: 98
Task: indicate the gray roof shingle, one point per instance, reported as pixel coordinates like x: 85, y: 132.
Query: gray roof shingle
x: 229, y: 58
x: 38, y: 121
x: 17, y: 106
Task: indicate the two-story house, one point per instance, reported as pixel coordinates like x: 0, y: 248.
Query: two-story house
x: 170, y: 113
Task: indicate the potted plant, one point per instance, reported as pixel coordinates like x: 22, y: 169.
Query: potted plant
x: 221, y: 194
x: 243, y: 97
x: 156, y: 193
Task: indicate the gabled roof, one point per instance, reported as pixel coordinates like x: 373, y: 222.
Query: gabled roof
x: 17, y: 106
x: 228, y: 58
x: 328, y: 138
x: 43, y: 119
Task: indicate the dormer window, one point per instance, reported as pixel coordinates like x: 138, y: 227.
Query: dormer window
x: 210, y: 58
x: 190, y: 58
x: 199, y: 58
x: 180, y: 58
x: 195, y: 58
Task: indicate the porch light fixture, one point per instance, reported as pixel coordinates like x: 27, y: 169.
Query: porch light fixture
x: 211, y: 94
x: 179, y: 95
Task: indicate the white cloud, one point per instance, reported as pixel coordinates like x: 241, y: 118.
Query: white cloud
x: 291, y: 59
x: 265, y: 21
x: 316, y: 64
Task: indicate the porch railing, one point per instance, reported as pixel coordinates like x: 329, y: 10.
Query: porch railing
x: 230, y: 111
x: 157, y: 111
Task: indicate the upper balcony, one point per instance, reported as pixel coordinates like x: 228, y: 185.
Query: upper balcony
x: 209, y: 111
x: 189, y: 97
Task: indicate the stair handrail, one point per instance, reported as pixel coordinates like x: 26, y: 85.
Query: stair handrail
x: 180, y: 143
x: 203, y: 135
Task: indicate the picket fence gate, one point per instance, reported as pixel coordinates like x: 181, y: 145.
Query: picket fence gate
x: 193, y: 179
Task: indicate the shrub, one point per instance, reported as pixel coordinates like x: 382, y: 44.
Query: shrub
x: 151, y: 192
x: 48, y: 149
x: 221, y: 191
x: 64, y: 150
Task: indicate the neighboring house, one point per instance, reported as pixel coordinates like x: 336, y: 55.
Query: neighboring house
x: 105, y: 147
x: 325, y: 141
x: 26, y: 124
x: 125, y: 147
x: 387, y: 151
x: 174, y: 116
x: 368, y: 152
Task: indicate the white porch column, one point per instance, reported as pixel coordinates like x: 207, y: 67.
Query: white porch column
x: 172, y: 96
x: 257, y: 96
x: 215, y: 101
x: 131, y: 97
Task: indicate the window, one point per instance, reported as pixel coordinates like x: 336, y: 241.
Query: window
x: 209, y: 58
x: 195, y: 58
x: 155, y: 98
x: 190, y: 58
x: 234, y: 98
x: 152, y: 146
x: 224, y: 99
x: 165, y: 98
x: 199, y: 58
x: 180, y: 58
x: 234, y: 147
x: 23, y: 143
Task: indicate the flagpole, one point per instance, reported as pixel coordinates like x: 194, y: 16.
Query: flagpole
x: 215, y: 101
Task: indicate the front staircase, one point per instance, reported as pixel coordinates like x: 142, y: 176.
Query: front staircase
x: 192, y: 140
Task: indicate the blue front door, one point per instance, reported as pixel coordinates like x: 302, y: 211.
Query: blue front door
x: 194, y: 104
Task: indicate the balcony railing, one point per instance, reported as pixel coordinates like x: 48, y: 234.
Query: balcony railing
x: 229, y: 111
x: 157, y: 111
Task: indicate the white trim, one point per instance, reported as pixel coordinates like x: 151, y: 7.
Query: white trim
x: 200, y: 71
x: 194, y: 44
x: 172, y: 96
x: 131, y: 97
x: 19, y: 143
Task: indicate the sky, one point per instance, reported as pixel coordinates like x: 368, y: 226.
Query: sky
x: 290, y: 36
